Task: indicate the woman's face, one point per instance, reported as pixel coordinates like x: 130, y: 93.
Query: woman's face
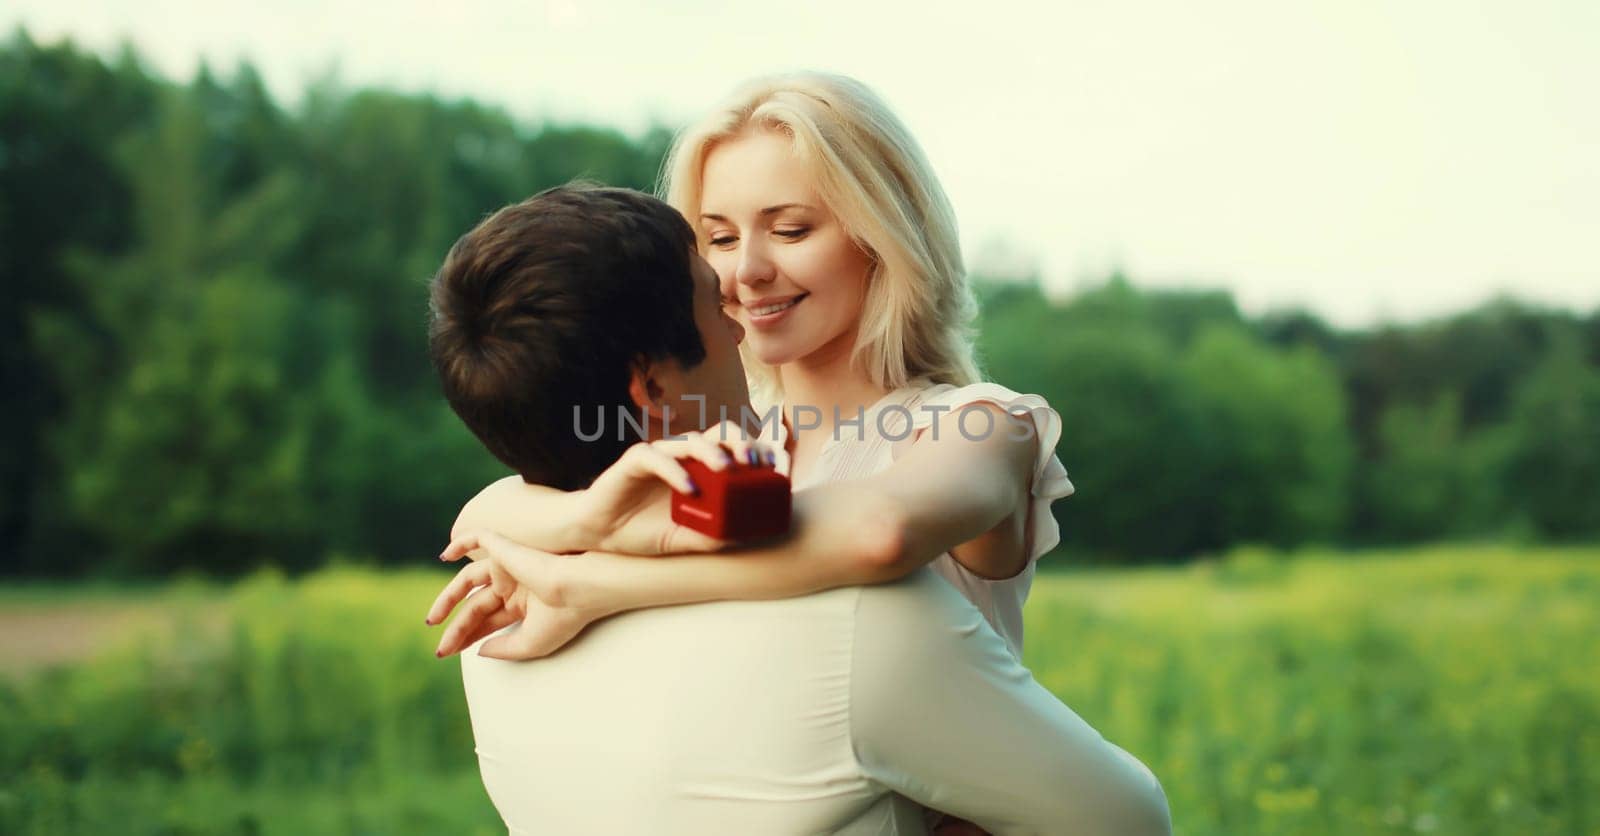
x: 790, y: 274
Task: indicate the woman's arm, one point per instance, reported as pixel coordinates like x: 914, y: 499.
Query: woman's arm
x: 947, y: 491
x: 626, y: 508
x: 535, y: 515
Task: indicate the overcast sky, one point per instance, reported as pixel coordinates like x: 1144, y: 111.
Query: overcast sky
x: 1370, y: 161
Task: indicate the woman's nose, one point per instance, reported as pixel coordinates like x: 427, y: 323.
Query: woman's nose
x: 754, y: 265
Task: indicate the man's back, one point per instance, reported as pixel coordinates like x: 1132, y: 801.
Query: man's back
x: 804, y: 715
x: 723, y: 717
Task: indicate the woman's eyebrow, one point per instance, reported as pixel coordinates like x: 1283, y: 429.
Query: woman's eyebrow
x: 782, y: 206
x: 708, y: 216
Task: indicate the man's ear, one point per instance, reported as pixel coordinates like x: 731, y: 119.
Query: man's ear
x: 646, y: 390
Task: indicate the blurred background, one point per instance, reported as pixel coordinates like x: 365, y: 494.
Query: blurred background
x: 1313, y: 288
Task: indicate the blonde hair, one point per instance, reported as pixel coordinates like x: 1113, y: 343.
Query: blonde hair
x: 917, y: 318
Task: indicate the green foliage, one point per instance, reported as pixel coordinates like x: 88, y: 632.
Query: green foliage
x: 62, y: 114
x: 1278, y: 453
x: 213, y: 348
x: 205, y: 413
x: 1183, y: 432
x: 1320, y: 693
x: 1131, y: 433
x: 1436, y: 691
x: 1188, y: 430
x: 1554, y: 468
x: 1432, y: 479
x: 274, y: 708
x: 241, y: 345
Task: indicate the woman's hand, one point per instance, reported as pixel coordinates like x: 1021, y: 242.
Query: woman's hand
x: 496, y: 597
x: 628, y: 509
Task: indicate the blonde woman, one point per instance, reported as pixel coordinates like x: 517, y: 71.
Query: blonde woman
x: 837, y: 251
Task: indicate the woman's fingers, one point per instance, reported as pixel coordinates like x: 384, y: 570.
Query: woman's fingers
x: 509, y: 563
x: 741, y: 450
x: 725, y: 432
x: 471, y: 576
x: 661, y: 461
x: 706, y: 450
x: 473, y: 613
x: 492, y: 544
x: 501, y: 581
x: 731, y: 436
x: 534, y: 638
x: 740, y: 445
x: 746, y: 448
x: 692, y: 446
x: 492, y: 622
x: 754, y: 453
x: 716, y: 448
x: 459, y: 547
x: 519, y: 564
x: 518, y: 645
x: 684, y: 540
x: 543, y: 631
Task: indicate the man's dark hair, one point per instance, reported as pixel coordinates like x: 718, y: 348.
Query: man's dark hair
x: 548, y: 305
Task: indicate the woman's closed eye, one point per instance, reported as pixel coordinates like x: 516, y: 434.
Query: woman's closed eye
x: 793, y: 234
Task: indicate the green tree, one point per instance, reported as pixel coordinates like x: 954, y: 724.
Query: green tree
x: 1432, y: 479
x: 1553, y: 471
x: 1273, y: 426
x: 216, y: 306
x: 1129, y: 439
x: 62, y: 113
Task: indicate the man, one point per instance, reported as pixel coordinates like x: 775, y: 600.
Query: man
x: 835, y: 712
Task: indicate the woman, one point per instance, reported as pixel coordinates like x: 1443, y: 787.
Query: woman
x: 838, y: 254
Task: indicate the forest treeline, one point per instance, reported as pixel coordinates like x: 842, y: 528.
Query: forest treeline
x: 214, y: 351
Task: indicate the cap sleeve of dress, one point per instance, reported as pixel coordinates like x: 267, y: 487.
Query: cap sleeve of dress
x: 1050, y: 481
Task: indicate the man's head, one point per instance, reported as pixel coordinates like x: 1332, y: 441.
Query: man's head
x: 560, y: 313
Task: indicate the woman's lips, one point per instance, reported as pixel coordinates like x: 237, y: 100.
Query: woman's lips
x: 772, y: 319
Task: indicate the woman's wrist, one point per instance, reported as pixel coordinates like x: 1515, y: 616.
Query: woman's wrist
x: 579, y: 529
x: 534, y: 515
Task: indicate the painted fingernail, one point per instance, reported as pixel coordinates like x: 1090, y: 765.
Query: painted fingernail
x: 772, y: 458
x: 439, y: 654
x: 694, y: 490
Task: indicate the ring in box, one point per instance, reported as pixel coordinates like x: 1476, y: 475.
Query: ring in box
x: 740, y: 502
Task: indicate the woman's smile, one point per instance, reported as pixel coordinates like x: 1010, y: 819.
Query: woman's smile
x: 767, y: 315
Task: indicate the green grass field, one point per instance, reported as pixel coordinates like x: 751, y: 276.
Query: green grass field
x: 1449, y: 691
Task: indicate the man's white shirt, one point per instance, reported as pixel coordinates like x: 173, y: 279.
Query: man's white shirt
x: 829, y: 713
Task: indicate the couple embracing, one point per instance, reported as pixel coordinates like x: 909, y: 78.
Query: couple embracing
x: 861, y: 675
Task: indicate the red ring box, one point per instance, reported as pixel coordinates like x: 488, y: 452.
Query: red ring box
x: 740, y: 502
